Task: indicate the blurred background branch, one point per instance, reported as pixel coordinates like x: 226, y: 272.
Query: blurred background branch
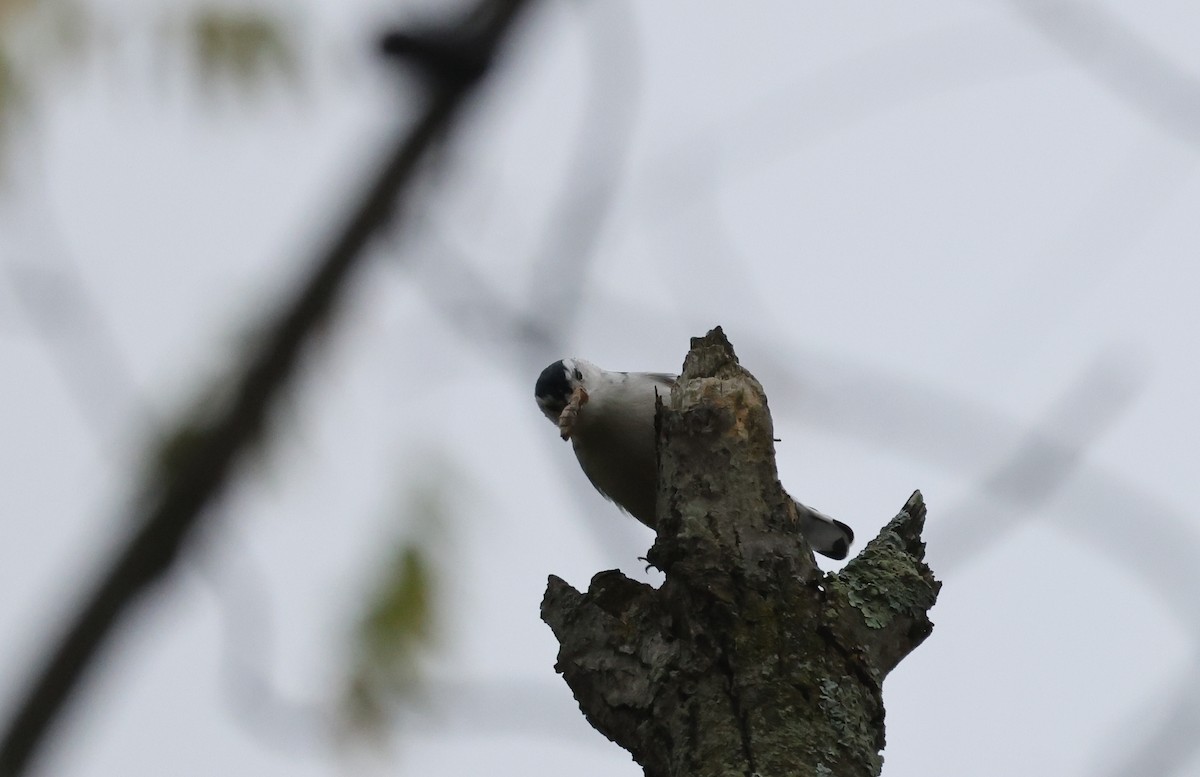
x: 201, y: 455
x: 927, y: 228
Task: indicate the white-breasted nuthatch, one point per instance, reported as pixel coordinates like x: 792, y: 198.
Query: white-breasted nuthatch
x: 609, y: 418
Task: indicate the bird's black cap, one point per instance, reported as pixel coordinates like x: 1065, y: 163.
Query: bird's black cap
x: 552, y: 389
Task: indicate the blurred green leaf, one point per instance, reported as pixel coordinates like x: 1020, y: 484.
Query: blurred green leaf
x: 42, y: 41
x: 13, y: 8
x: 12, y: 91
x: 36, y: 37
x: 248, y: 47
x: 397, y: 625
x: 399, y: 619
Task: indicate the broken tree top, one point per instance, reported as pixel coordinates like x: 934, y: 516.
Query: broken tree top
x: 747, y: 658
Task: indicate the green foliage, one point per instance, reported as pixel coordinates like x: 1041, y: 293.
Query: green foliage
x: 44, y: 39
x: 247, y: 47
x: 397, y: 625
x: 399, y: 617
x: 399, y: 620
x: 36, y: 38
x: 11, y: 89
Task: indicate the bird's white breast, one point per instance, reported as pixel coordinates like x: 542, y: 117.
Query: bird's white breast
x: 614, y: 442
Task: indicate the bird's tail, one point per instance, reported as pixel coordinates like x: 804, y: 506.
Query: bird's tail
x: 827, y: 536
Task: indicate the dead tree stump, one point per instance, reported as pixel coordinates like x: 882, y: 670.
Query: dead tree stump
x: 747, y: 660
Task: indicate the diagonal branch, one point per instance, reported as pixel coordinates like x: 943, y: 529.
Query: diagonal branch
x: 176, y: 497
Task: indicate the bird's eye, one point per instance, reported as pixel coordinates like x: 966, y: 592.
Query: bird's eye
x: 578, y: 374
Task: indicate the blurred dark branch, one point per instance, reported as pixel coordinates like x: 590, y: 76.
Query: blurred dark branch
x: 1169, y: 747
x: 559, y: 271
x: 274, y: 716
x: 73, y: 327
x: 81, y: 340
x: 526, y: 337
x: 65, y: 316
x: 538, y: 330
x: 1045, y: 460
x: 470, y: 304
x: 1123, y: 61
x: 819, y: 104
x: 174, y: 506
x: 1140, y: 534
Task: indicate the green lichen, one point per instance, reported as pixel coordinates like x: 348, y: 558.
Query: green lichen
x: 847, y: 706
x: 884, y: 582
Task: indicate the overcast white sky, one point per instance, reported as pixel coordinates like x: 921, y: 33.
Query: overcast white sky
x: 956, y: 242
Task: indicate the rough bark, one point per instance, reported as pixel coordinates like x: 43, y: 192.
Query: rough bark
x: 747, y: 660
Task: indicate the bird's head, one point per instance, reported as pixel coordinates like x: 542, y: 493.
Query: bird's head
x: 555, y: 384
